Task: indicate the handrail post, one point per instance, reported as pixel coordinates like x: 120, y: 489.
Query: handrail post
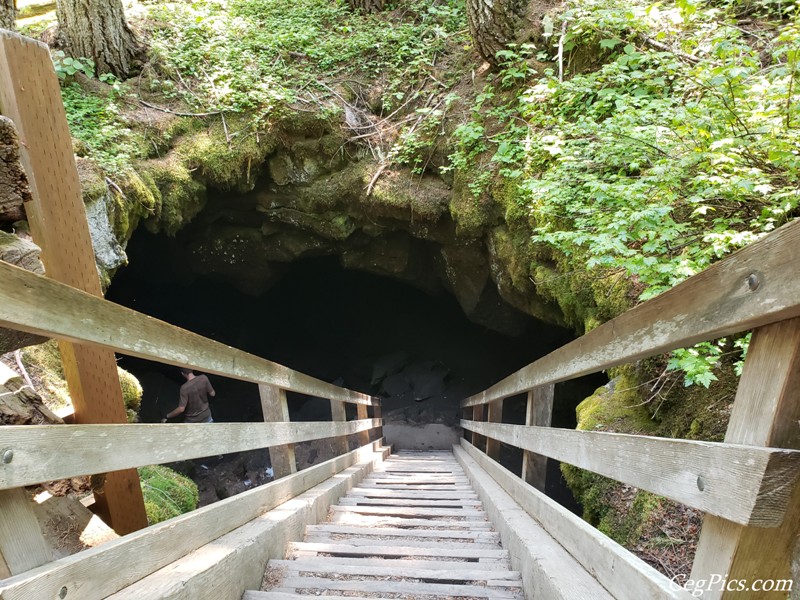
x: 377, y: 413
x: 494, y: 415
x: 275, y: 409
x: 361, y: 413
x: 338, y: 414
x: 30, y: 96
x: 766, y: 412
x: 539, y: 413
x: 22, y: 546
x: 479, y: 441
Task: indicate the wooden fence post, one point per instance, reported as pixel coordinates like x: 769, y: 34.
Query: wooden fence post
x: 338, y: 414
x: 275, y: 409
x: 22, y: 546
x: 363, y: 436
x: 539, y: 413
x: 495, y: 415
x: 31, y: 97
x: 377, y: 413
x: 479, y: 441
x: 766, y: 412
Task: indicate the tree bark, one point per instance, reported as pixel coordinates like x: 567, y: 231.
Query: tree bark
x: 97, y: 29
x: 367, y: 6
x: 494, y: 24
x: 8, y: 13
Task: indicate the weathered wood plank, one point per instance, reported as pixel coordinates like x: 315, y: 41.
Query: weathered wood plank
x: 358, y: 562
x: 744, y: 484
x: 35, y: 304
x: 539, y: 413
x: 427, y: 570
x: 462, y: 513
x: 344, y: 549
x: 755, y: 286
x: 395, y: 587
x: 86, y: 574
x: 75, y: 450
x: 22, y: 546
x: 418, y: 494
x: 361, y: 501
x: 548, y: 570
x: 441, y: 544
x: 766, y: 412
x: 489, y: 536
x: 30, y: 95
x: 275, y: 410
x: 345, y: 518
x: 623, y: 574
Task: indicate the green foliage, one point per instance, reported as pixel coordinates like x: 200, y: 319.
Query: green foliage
x: 94, y: 121
x: 258, y: 55
x: 66, y: 66
x: 167, y: 493
x: 131, y: 393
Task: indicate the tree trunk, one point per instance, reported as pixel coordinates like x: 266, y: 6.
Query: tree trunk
x: 97, y: 29
x: 8, y: 12
x: 367, y: 6
x: 494, y: 24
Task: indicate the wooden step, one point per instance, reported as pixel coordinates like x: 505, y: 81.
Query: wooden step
x: 429, y: 571
x: 412, y: 512
x: 497, y: 566
x: 332, y: 538
x: 351, y: 518
x: 293, y: 583
x: 369, y: 492
x: 345, y: 549
x: 422, y: 503
x: 487, y: 536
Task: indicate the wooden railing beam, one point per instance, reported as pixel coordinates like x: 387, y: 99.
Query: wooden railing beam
x: 746, y: 484
x: 75, y: 450
x: 755, y: 286
x: 766, y: 412
x: 22, y: 546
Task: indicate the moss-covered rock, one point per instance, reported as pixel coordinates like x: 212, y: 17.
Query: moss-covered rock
x: 131, y: 393
x: 167, y: 493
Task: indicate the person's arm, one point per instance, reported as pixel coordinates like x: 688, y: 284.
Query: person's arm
x: 210, y: 389
x: 178, y: 410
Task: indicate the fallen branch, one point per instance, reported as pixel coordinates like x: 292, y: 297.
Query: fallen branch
x: 372, y: 183
x: 648, y: 41
x: 175, y: 112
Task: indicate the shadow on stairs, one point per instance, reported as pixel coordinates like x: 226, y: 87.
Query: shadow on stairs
x: 413, y: 529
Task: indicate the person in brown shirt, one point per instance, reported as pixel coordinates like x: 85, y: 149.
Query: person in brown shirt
x: 194, y: 399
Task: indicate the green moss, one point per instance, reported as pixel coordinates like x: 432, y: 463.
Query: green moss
x: 167, y: 493
x: 401, y: 196
x: 178, y: 196
x: 227, y: 161
x: 617, y: 406
x: 43, y: 363
x: 131, y: 393
x: 472, y: 215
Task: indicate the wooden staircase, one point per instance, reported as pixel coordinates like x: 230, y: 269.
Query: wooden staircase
x: 413, y: 529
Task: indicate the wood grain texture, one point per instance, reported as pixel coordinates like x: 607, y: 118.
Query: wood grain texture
x: 717, y: 302
x: 766, y: 412
x: 36, y: 304
x: 622, y: 573
x: 86, y: 575
x: 744, y: 484
x: 539, y: 412
x: 276, y: 410
x: 75, y: 450
x: 338, y: 414
x: 31, y: 96
x: 22, y: 546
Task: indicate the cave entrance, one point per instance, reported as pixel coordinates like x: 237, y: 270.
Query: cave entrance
x: 415, y: 349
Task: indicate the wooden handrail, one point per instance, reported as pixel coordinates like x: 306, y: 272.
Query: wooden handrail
x: 75, y: 450
x: 755, y: 286
x: 32, y: 303
x: 99, y: 572
x: 746, y: 484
